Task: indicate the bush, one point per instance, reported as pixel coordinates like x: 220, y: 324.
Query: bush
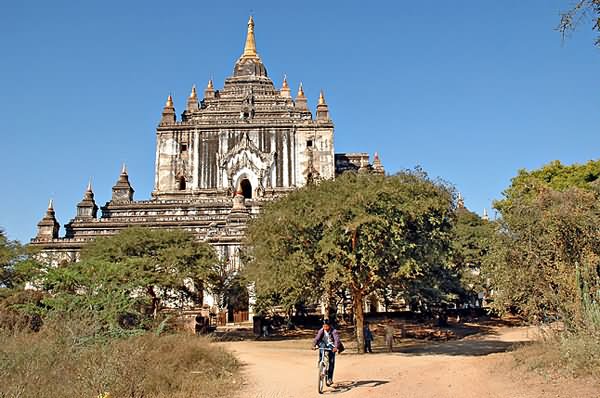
x: 572, y: 348
x: 576, y: 354
x: 64, y: 360
x: 21, y: 310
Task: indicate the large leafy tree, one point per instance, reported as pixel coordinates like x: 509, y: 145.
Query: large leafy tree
x: 138, y: 272
x: 541, y: 245
x: 547, y: 230
x: 555, y: 175
x: 360, y: 233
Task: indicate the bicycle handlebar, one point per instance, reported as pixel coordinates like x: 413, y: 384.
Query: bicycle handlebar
x: 325, y: 348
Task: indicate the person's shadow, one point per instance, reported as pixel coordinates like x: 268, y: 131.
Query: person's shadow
x: 345, y: 386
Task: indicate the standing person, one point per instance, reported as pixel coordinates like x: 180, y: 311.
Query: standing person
x: 328, y: 337
x: 368, y: 338
x: 389, y: 335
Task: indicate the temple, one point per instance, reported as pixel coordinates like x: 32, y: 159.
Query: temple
x: 228, y: 154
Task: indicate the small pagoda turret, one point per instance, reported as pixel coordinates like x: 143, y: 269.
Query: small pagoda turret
x: 87, y: 208
x: 48, y: 226
x: 122, y: 190
x: 322, y: 109
x: 168, y: 114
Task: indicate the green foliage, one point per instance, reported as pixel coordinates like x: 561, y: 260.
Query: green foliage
x: 548, y: 228
x: 123, y: 281
x: 540, y: 245
x: 11, y: 253
x: 528, y: 184
x: 544, y: 262
x: 473, y: 237
x: 360, y: 233
x: 588, y: 289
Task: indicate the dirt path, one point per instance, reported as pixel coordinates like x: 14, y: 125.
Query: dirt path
x: 476, y: 367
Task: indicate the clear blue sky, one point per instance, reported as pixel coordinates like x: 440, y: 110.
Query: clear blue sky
x: 471, y: 91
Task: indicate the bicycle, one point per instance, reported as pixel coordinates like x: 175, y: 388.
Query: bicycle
x: 323, y: 366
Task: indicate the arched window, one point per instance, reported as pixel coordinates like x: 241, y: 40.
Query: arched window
x: 246, y: 188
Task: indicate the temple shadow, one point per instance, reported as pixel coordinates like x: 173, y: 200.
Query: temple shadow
x: 345, y: 386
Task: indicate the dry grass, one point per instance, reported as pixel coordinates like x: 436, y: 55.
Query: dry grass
x: 568, y: 354
x: 60, y: 361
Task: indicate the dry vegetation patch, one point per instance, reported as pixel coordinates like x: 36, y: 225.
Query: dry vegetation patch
x: 60, y: 361
x: 565, y: 354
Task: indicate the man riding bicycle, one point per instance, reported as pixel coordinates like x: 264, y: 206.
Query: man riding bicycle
x: 328, y: 337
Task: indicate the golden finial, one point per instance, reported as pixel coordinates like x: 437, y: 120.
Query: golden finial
x: 285, y: 91
x: 300, y: 91
x: 285, y: 83
x: 51, y: 204
x: 210, y: 85
x: 321, y: 98
x: 89, y: 187
x: 250, y: 47
x: 193, y: 94
x: 124, y: 169
x: 169, y: 103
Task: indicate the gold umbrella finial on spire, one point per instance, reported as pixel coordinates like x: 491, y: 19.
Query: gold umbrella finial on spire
x: 250, y: 47
x: 321, y: 98
x: 300, y: 91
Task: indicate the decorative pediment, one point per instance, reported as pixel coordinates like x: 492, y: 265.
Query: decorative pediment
x: 245, y: 145
x: 247, y: 156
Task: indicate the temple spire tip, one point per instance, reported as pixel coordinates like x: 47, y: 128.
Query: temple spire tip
x: 321, y: 98
x: 250, y: 46
x: 300, y: 91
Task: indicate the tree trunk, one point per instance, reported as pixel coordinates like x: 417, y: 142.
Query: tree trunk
x: 359, y: 316
x: 331, y: 308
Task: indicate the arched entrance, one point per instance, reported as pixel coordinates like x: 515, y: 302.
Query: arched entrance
x: 246, y: 188
x: 181, y: 185
x: 237, y: 300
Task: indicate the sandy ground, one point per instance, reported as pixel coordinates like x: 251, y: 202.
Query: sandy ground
x: 474, y: 367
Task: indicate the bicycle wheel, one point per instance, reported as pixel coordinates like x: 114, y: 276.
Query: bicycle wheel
x: 322, y: 376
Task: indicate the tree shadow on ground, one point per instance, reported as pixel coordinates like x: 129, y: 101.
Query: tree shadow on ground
x: 461, y: 348
x: 345, y: 386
